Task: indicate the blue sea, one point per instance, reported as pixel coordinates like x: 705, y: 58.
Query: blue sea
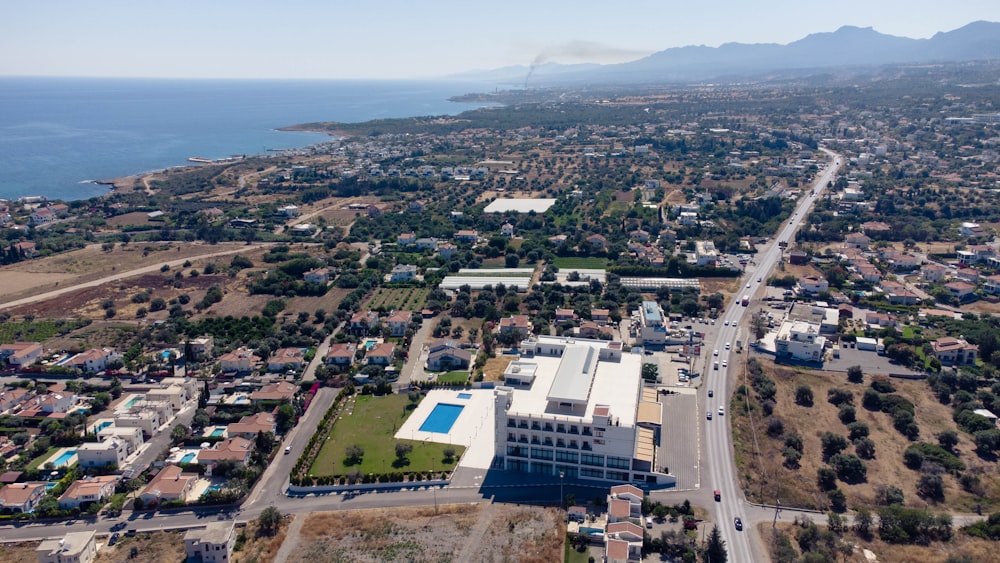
x: 59, y: 134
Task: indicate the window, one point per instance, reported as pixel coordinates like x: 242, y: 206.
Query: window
x: 572, y: 444
x: 586, y: 431
x: 560, y: 443
x: 569, y: 457
x: 561, y: 428
x: 617, y: 475
x: 592, y: 459
x: 541, y: 453
x: 548, y: 427
x: 511, y: 437
x: 587, y: 472
x: 517, y: 451
x: 574, y: 430
x: 619, y: 462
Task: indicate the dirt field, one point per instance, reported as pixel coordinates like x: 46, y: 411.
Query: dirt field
x: 764, y: 477
x: 260, y: 549
x: 158, y: 547
x: 494, y: 368
x: 464, y: 533
x: 19, y: 552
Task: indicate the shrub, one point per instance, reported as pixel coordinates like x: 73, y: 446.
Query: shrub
x: 931, y: 487
x: 857, y: 430
x: 804, y: 396
x: 847, y: 414
x: 775, y: 427
x: 839, y: 397
x: 849, y: 468
x: 937, y: 454
x: 832, y: 444
x: 865, y: 448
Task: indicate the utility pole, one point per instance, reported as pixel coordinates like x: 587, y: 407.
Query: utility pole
x: 777, y: 507
x: 561, y: 497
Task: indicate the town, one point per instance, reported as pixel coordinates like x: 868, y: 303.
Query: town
x: 677, y: 298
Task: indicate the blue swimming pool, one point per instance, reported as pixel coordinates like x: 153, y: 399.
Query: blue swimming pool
x: 218, y: 432
x: 103, y: 425
x: 64, y: 458
x: 189, y: 458
x: 465, y: 395
x: 129, y: 403
x: 591, y: 531
x: 441, y: 418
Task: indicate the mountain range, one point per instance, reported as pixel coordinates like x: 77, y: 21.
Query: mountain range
x: 848, y: 47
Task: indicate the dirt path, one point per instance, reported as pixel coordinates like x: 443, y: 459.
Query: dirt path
x: 291, y: 540
x: 474, y: 539
x: 138, y: 271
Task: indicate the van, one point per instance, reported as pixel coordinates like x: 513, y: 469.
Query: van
x: 715, y: 365
x: 649, y: 522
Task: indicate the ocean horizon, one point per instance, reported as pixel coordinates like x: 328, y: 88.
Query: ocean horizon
x: 59, y: 135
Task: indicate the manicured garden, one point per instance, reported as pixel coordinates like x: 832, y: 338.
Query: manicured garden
x: 370, y: 427
x: 453, y: 378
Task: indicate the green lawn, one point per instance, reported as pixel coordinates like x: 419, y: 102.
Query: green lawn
x: 574, y: 556
x: 584, y: 263
x: 37, y: 462
x: 371, y: 426
x: 453, y: 377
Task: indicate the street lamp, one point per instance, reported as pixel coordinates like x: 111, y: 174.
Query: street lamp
x: 561, y: 497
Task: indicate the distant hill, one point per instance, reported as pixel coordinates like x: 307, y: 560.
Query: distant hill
x: 847, y: 47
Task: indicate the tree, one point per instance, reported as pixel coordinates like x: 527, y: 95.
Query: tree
x: 268, y: 521
x: 863, y: 522
x: 285, y: 417
x: 948, y: 440
x: 832, y: 444
x: 849, y: 468
x: 402, y: 450
x: 855, y: 375
x: 804, y: 396
x: 178, y: 433
x: 826, y: 478
x: 865, y: 448
x: 715, y: 551
x: 353, y: 455
x: 931, y: 487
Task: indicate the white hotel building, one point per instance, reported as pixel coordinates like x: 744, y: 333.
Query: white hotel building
x: 578, y: 407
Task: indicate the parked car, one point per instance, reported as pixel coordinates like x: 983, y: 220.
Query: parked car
x: 113, y: 539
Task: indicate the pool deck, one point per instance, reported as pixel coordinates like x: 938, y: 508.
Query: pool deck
x: 472, y: 429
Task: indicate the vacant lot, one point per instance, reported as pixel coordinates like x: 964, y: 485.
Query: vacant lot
x: 467, y: 533
x: 157, y: 547
x: 764, y: 477
x: 370, y: 423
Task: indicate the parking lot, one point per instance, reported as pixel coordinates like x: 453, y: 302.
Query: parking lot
x: 678, y: 449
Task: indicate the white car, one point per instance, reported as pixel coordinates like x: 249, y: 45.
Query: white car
x: 727, y: 345
x: 725, y: 323
x: 748, y: 285
x: 722, y: 411
x: 724, y: 364
x: 716, y: 353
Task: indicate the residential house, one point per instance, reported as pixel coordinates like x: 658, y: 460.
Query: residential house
x: 381, y: 354
x: 444, y: 357
x: 56, y: 402
x: 798, y: 258
x: 970, y: 275
x: 688, y: 218
x: 89, y: 490
x: 616, y: 550
x: 402, y: 273
x: 869, y: 273
x: 991, y: 284
x: 600, y: 316
x: 397, y: 322
x: 934, y: 273
x: 25, y: 248
x: 240, y: 360
x: 341, y: 355
x: 94, y: 360
x: 286, y: 358
x: 131, y: 435
x: 954, y: 351
x: 467, y: 236
x: 897, y: 294
x: 406, y: 239
x: 447, y: 250
x: 565, y: 315
x: 507, y: 230
x: 249, y: 426
x: 558, y: 240
x: 363, y: 321
x: 628, y: 533
x: 875, y: 228
x: 9, y: 398
x: 283, y: 391
x: 857, y: 240
x: 427, y: 243
x: 417, y: 205
x: 813, y: 285
x: 598, y: 242
x: 173, y: 395
x: 588, y: 329
x: 963, y: 291
x: 516, y: 324
x: 41, y: 216
x: 201, y: 346
x: 109, y: 452
x: 318, y: 276
x: 171, y: 483
x: 20, y: 353
x: 234, y: 448
x: 16, y: 498
x: 72, y: 547
x: 968, y: 230
x: 213, y: 544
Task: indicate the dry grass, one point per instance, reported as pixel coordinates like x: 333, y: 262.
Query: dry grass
x: 260, y: 549
x: 494, y: 368
x: 156, y: 547
x: 451, y: 533
x: 19, y: 552
x: 764, y: 476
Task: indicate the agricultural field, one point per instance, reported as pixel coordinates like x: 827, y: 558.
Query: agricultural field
x: 581, y: 262
x: 399, y: 299
x: 370, y: 423
x: 36, y: 331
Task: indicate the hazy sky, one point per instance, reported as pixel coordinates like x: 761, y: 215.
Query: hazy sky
x: 415, y: 38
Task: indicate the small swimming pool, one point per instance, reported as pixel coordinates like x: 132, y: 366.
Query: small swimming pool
x: 441, y: 418
x: 465, y: 395
x: 103, y: 425
x: 214, y: 488
x: 369, y: 344
x: 189, y: 457
x: 591, y: 531
x: 64, y: 458
x: 129, y: 403
x: 218, y: 432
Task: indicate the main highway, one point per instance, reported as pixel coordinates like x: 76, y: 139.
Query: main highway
x: 718, y: 459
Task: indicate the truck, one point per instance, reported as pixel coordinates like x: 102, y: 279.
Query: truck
x: 745, y: 301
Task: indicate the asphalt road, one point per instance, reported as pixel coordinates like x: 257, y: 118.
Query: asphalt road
x: 717, y: 450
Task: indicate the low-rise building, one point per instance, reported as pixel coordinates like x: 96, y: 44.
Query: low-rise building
x: 813, y: 285
x: 249, y: 426
x: 94, y: 360
x: 444, y: 357
x: 87, y: 491
x: 402, y: 273
x: 214, y: 544
x: 146, y: 420
x: 381, y: 354
x: 201, y: 346
x: 16, y: 498
x: 20, y: 353
x: 286, y: 358
x: 174, y: 395
x: 518, y: 325
x: 72, y: 547
x: 132, y: 436
x: 102, y: 454
x: 234, y: 448
x: 341, y: 355
x: 652, y: 324
x: 240, y: 360
x: 800, y: 340
x: 171, y: 483
x: 318, y: 276
x: 280, y: 391
x: 397, y: 323
x: 954, y: 351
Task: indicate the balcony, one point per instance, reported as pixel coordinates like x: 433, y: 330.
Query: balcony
x: 547, y: 442
x: 536, y: 442
x: 586, y: 446
x: 511, y: 438
x: 523, y: 424
x: 587, y: 432
x: 536, y: 426
x: 522, y: 440
x: 511, y: 424
x: 561, y: 428
x: 548, y: 428
x: 574, y: 431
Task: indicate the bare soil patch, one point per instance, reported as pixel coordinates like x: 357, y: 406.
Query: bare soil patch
x: 257, y: 548
x: 491, y: 532
x: 134, y: 218
x: 157, y: 547
x: 23, y: 552
x: 764, y: 477
x: 494, y: 368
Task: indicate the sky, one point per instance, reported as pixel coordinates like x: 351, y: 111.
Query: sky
x: 407, y: 39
